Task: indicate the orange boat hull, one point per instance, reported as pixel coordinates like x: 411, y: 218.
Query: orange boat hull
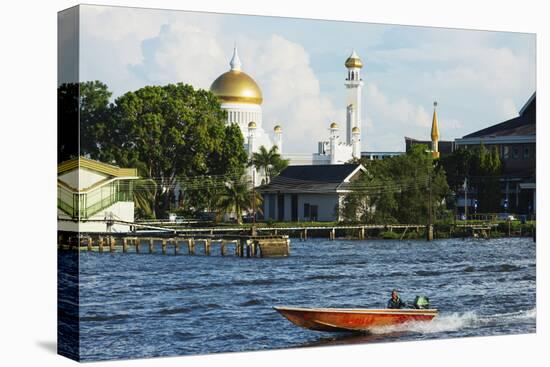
x: 342, y: 319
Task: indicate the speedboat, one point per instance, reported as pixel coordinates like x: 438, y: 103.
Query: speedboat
x: 352, y: 319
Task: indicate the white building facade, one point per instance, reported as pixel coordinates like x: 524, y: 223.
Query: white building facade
x: 94, y: 197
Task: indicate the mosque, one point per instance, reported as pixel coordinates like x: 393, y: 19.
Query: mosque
x: 242, y: 98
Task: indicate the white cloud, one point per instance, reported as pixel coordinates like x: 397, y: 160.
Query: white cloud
x: 476, y: 80
x: 392, y: 119
x: 184, y: 48
x: 473, y: 76
x: 292, y: 96
x: 508, y: 108
x: 180, y: 52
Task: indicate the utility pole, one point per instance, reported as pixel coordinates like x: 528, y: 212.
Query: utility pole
x: 253, y: 229
x: 430, y: 228
x: 466, y: 198
x: 506, y: 201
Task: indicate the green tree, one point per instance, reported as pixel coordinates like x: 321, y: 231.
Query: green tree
x: 236, y: 198
x: 67, y: 121
x: 144, y: 198
x: 94, y: 109
x: 482, y: 167
x: 457, y: 166
x: 269, y: 161
x: 173, y: 132
x: 397, y: 189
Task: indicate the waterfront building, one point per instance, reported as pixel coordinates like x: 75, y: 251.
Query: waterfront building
x: 241, y: 97
x: 92, y: 195
x: 515, y: 141
x: 376, y: 156
x: 309, y: 192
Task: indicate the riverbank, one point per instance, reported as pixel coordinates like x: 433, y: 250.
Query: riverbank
x: 394, y: 231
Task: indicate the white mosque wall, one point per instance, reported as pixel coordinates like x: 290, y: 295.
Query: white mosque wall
x: 242, y: 114
x: 342, y: 153
x: 306, y: 159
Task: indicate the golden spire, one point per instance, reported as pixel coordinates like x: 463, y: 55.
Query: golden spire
x: 353, y: 61
x: 435, y: 127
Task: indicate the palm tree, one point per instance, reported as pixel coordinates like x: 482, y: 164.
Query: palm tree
x: 269, y: 161
x: 278, y: 165
x: 237, y: 197
x: 144, y: 197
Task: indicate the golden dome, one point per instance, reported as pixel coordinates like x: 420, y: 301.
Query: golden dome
x: 334, y: 125
x: 354, y: 61
x: 355, y: 130
x: 251, y: 125
x: 238, y: 87
x: 278, y: 129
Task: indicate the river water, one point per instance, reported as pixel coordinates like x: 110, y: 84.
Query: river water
x: 142, y: 305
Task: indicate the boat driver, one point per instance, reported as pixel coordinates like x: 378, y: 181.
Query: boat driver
x: 395, y: 301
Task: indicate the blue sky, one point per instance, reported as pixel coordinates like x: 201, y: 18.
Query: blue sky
x: 477, y: 77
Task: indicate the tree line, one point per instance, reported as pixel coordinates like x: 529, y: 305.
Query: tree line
x: 177, y: 137
x: 171, y: 134
x: 407, y: 188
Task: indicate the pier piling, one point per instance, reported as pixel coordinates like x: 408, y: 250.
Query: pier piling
x: 222, y: 247
x: 429, y: 232
x: 191, y: 246
x: 245, y: 245
x: 207, y: 244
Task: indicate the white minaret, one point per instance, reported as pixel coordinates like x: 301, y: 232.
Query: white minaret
x: 356, y: 141
x: 334, y: 140
x: 251, y: 149
x: 353, y: 84
x: 278, y: 131
x: 251, y: 133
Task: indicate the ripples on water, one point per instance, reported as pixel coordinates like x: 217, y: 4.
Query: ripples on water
x: 141, y: 305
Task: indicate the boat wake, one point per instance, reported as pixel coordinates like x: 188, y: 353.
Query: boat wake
x: 455, y: 322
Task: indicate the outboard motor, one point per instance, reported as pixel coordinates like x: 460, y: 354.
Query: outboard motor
x: 421, y: 302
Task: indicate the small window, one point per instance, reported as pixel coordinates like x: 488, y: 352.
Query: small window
x: 505, y: 152
x: 306, y: 210
x: 526, y: 153
x: 516, y: 152
x: 314, y: 212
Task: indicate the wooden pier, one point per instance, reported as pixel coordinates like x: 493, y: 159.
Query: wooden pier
x: 243, y: 245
